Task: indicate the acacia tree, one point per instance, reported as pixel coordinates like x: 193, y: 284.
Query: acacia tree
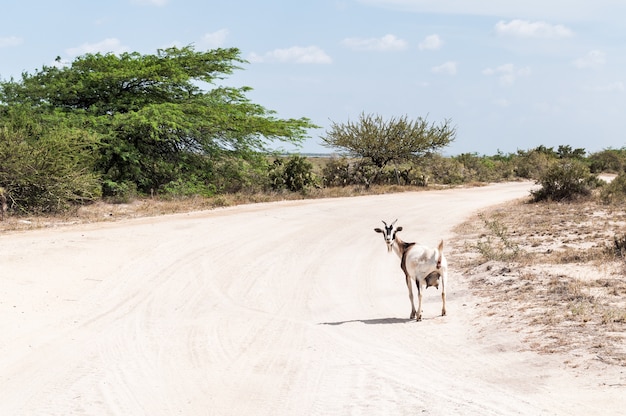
x: 388, y: 141
x: 155, y: 122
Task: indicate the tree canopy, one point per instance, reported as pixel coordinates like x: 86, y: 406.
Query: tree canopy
x: 386, y: 141
x: 153, y: 117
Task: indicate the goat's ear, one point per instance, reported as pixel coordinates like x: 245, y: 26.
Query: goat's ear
x: 398, y: 229
x: 378, y: 230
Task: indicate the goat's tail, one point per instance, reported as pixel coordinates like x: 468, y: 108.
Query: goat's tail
x: 440, y: 256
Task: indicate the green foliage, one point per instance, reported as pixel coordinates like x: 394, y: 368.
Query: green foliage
x: 157, y: 127
x: 119, y: 192
x: 484, y: 168
x: 239, y: 172
x: 296, y: 175
x: 191, y: 186
x: 533, y: 164
x: 383, y: 142
x: 615, y: 191
x: 608, y: 160
x: 45, y: 169
x: 566, y: 152
x: 566, y: 179
x: 337, y: 172
x: 443, y: 170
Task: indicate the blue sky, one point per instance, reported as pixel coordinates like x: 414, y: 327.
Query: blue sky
x: 510, y: 75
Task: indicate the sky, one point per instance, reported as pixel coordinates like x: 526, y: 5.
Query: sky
x: 508, y: 75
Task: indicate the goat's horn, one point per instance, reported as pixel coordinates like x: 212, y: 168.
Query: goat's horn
x: 384, y: 222
x: 393, y: 223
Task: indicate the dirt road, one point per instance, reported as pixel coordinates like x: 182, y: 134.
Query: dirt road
x: 291, y: 308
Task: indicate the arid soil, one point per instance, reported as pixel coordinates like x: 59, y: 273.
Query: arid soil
x: 554, y: 272
x: 296, y: 308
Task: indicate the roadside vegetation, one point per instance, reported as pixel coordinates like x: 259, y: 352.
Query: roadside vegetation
x: 130, y: 127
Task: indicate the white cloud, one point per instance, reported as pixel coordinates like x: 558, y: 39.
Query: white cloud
x: 526, y: 29
x: 507, y: 74
x: 594, y: 60
x: 431, y: 42
x: 214, y: 40
x: 449, y: 68
x: 297, y: 54
x: 110, y: 45
x: 10, y: 41
x: 386, y: 43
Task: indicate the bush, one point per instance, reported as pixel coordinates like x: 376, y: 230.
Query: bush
x: 296, y: 175
x: 615, y: 192
x: 337, y: 172
x: 533, y: 164
x: 565, y: 179
x: 191, y: 186
x: 443, y: 170
x: 119, y: 192
x: 233, y: 174
x: 47, y: 170
x: 609, y: 160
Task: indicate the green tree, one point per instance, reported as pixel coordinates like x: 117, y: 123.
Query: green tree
x: 566, y: 152
x: 156, y: 123
x: 388, y: 141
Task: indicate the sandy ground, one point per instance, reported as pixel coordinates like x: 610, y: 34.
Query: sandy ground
x: 290, y: 308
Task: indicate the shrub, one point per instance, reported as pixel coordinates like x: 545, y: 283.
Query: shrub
x: 615, y: 192
x: 299, y: 174
x: 503, y: 249
x: 565, y: 179
x: 533, y: 164
x: 443, y: 170
x: 296, y: 175
x: 119, y: 192
x: 47, y: 170
x: 608, y: 160
x: 337, y: 172
x: 234, y: 174
x: 191, y: 186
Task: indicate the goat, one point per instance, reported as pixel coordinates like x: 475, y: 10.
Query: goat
x: 426, y: 265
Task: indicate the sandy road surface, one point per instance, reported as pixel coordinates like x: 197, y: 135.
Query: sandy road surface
x: 290, y: 308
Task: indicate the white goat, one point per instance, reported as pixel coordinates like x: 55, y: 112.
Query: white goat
x: 427, y: 266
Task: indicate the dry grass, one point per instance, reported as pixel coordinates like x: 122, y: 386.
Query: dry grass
x: 551, y: 272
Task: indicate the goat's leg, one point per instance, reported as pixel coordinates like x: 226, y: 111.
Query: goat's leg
x: 443, y: 299
x: 443, y: 294
x: 419, y: 300
x: 408, y: 284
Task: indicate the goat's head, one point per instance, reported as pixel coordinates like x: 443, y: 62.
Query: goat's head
x: 389, y: 233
